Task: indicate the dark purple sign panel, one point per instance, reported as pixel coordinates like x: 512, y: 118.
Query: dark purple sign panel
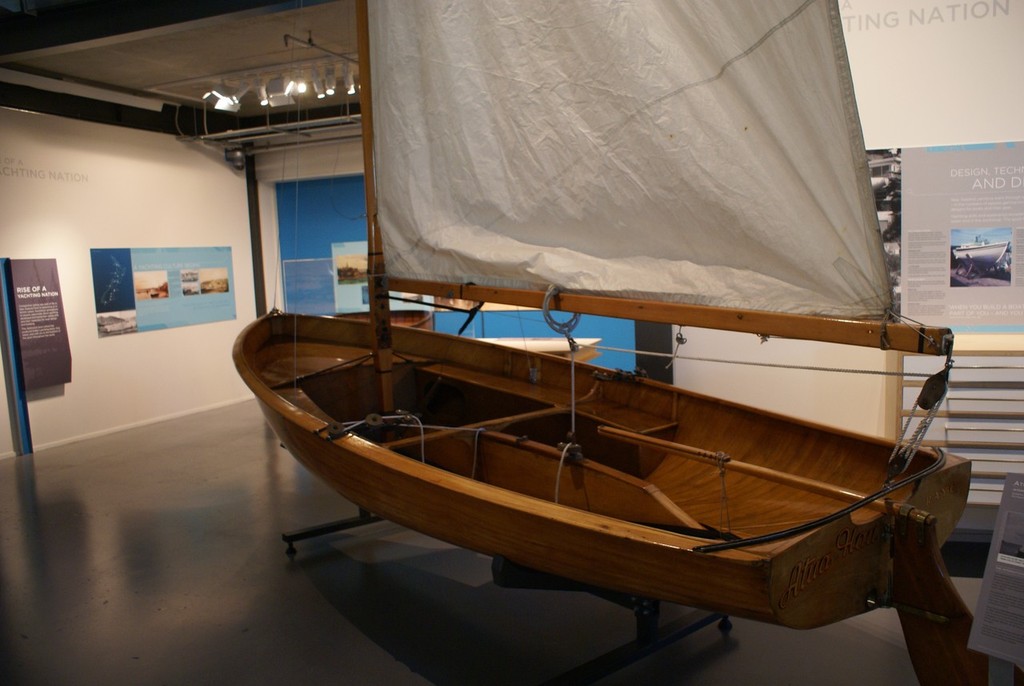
x: 39, y: 314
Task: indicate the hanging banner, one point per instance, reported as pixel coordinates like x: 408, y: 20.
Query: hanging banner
x: 41, y: 330
x: 145, y: 289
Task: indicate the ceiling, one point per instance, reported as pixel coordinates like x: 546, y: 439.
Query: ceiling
x: 149, y: 64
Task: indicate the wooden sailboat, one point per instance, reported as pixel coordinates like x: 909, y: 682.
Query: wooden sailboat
x: 612, y: 479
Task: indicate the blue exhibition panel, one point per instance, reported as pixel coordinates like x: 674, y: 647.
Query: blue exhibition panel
x: 316, y: 214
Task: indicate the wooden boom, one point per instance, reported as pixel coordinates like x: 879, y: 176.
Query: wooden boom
x: 871, y: 334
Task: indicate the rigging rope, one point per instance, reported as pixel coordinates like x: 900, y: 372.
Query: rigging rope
x: 565, y: 328
x: 566, y: 448
x: 569, y: 447
x: 406, y: 420
x: 770, y: 365
x: 897, y: 317
x: 929, y: 399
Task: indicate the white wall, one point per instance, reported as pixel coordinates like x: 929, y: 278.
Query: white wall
x: 134, y: 190
x: 935, y: 72
x: 926, y: 72
x: 853, y: 401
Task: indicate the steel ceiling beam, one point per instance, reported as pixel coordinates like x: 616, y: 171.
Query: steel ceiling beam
x: 52, y: 29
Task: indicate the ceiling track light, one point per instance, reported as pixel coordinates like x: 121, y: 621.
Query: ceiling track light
x: 284, y: 84
x: 277, y: 93
x: 330, y: 82
x: 350, y: 81
x: 225, y: 103
x: 318, y: 85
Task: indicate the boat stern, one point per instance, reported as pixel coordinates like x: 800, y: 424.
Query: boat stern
x: 837, y: 571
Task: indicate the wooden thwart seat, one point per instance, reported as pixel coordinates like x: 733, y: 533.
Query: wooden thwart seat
x: 717, y: 460
x: 531, y: 468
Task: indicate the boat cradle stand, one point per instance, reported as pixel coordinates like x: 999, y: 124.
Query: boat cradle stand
x: 651, y: 636
x: 362, y: 518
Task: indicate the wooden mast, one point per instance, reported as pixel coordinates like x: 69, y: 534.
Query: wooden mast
x: 380, y: 308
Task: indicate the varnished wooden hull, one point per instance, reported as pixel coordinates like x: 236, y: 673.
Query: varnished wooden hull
x: 625, y: 514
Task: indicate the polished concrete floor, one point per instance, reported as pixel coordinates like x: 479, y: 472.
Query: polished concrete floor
x: 154, y: 556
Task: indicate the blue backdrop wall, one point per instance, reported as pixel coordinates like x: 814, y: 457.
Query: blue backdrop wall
x: 316, y: 213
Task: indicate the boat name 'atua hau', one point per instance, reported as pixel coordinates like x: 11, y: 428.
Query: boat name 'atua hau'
x: 805, y: 572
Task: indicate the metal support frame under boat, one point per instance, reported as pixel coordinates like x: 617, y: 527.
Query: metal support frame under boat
x: 318, y: 530
x: 651, y: 634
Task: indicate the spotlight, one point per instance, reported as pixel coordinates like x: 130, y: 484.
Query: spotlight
x: 226, y: 105
x: 224, y: 102
x: 236, y: 158
x: 318, y: 84
x: 330, y: 82
x: 350, y: 82
x: 278, y: 93
x: 264, y: 98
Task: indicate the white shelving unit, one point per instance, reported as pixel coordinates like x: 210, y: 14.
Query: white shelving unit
x: 981, y: 419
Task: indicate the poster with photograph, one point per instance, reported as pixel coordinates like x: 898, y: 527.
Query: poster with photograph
x: 351, y: 287
x: 145, y: 289
x: 351, y: 290
x: 962, y: 223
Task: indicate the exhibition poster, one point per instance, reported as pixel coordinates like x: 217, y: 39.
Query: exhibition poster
x: 351, y: 290
x: 998, y: 628
x: 41, y: 329
x: 145, y: 289
x: 962, y: 224
x: 351, y: 286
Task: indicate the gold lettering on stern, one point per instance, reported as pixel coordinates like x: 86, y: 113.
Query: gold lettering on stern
x: 848, y: 541
x: 947, y: 490
x: 802, y: 574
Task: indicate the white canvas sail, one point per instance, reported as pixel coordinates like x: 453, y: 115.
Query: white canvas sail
x: 699, y: 152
